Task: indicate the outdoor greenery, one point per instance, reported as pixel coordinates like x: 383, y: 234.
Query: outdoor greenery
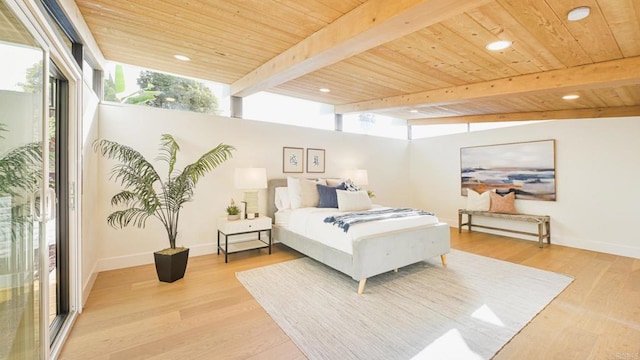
x: 145, y: 193
x: 33, y: 81
x: 110, y: 93
x: 163, y: 91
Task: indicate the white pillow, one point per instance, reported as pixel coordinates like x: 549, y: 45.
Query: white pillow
x: 353, y: 200
x: 295, y: 193
x: 309, y: 192
x: 310, y: 196
x: 282, y: 201
x: 478, y: 202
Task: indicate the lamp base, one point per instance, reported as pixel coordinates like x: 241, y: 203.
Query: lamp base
x: 251, y: 197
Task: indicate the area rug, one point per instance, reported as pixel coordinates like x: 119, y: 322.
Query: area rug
x: 467, y: 310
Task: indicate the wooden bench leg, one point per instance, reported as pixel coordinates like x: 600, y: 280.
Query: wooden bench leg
x: 540, y: 235
x: 469, y: 221
x: 443, y: 258
x: 548, y: 226
x: 459, y: 222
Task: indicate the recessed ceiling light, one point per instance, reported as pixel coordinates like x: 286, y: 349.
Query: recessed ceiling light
x: 324, y: 90
x: 498, y: 45
x: 181, y: 57
x: 571, y: 97
x: 413, y: 111
x: 578, y: 13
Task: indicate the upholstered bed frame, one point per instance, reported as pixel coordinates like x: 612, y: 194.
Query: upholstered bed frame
x: 372, y: 255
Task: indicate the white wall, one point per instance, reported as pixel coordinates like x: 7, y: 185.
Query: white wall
x: 258, y: 144
x: 597, y: 167
x: 90, y: 245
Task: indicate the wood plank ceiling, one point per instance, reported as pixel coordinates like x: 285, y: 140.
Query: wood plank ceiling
x: 420, y: 60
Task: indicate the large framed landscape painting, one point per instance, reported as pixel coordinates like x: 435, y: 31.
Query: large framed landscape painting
x: 526, y: 168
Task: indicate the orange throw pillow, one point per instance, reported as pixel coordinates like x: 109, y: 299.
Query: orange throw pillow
x: 503, y: 204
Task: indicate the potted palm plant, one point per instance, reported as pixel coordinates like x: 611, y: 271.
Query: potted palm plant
x: 146, y: 194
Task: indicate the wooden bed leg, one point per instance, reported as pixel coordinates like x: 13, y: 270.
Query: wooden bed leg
x: 363, y: 282
x: 443, y: 257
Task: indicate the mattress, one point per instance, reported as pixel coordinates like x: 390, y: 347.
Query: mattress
x: 309, y: 222
x: 282, y: 218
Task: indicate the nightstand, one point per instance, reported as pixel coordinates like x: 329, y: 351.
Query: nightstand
x: 257, y: 226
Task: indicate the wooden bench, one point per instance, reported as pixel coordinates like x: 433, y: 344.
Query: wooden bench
x: 543, y: 221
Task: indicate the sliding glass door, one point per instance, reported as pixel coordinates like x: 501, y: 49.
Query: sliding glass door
x: 21, y: 182
x: 37, y: 297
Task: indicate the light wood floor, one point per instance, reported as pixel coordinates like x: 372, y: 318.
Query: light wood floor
x: 209, y: 315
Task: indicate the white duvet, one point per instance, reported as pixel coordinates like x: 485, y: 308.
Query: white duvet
x: 309, y: 222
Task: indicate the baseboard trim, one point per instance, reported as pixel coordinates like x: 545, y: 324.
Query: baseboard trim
x: 88, y: 285
x: 120, y: 262
x: 598, y: 246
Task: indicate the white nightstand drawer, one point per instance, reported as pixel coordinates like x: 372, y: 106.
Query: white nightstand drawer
x: 241, y: 226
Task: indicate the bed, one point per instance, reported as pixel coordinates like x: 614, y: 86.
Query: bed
x: 371, y: 253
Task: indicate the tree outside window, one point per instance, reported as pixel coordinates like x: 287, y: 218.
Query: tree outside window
x: 163, y: 91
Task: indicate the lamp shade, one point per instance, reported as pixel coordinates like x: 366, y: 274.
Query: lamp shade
x: 250, y: 178
x: 360, y: 177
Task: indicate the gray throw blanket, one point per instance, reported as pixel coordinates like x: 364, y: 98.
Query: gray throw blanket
x: 346, y: 220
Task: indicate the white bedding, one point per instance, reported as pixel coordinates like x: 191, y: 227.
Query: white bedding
x: 283, y: 217
x: 309, y: 222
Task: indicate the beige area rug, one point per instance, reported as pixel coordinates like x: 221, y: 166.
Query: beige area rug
x: 468, y: 310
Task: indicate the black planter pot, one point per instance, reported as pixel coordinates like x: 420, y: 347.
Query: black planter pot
x: 171, y: 267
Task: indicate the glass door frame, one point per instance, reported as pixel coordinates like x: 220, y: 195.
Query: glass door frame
x: 59, y: 103
x: 32, y: 18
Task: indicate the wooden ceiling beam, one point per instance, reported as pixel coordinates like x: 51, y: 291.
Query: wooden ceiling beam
x: 592, y: 76
x: 371, y: 24
x: 595, y: 113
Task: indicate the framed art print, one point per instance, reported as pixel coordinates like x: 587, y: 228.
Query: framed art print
x: 526, y: 168
x: 292, y: 160
x: 315, y: 160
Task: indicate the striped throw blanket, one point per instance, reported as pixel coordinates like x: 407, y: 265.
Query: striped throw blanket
x: 346, y: 220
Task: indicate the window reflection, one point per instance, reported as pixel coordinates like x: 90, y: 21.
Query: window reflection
x: 21, y: 82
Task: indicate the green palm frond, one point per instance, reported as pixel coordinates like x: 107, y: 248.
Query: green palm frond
x: 122, y: 218
x: 207, y: 162
x: 123, y: 198
x: 140, y: 184
x: 168, y: 151
x: 129, y: 159
x: 179, y: 192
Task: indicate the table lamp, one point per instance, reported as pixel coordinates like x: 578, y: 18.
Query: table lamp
x: 251, y: 180
x: 360, y: 177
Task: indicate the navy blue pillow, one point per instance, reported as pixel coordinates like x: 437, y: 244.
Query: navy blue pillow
x: 328, y: 195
